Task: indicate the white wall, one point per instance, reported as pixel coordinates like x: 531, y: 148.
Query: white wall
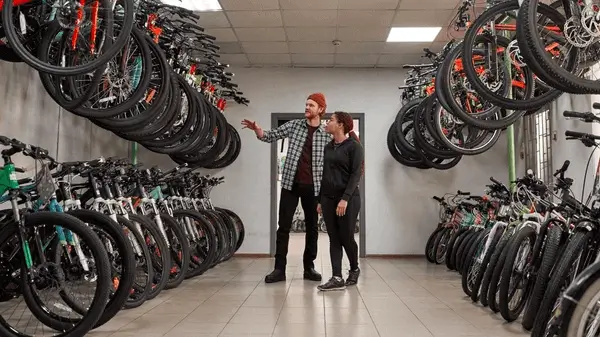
x: 400, y: 213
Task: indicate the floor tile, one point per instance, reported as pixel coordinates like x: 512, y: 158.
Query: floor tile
x: 245, y: 328
x: 284, y: 329
x: 401, y: 297
x: 344, y: 330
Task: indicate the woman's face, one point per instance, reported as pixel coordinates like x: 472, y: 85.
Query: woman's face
x: 333, y: 125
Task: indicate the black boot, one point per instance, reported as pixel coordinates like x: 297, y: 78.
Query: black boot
x: 312, y: 274
x: 276, y: 275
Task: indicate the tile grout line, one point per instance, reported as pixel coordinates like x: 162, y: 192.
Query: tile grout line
x: 238, y: 309
x: 417, y: 317
x: 282, y: 304
x: 362, y: 298
x: 209, y: 297
x: 323, y: 298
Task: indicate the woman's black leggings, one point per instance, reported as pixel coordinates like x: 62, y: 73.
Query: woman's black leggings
x: 341, y: 232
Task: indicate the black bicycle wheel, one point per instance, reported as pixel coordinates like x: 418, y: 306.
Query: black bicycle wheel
x: 529, y: 102
x: 124, y: 259
x: 109, y: 47
x: 551, y: 247
x: 103, y: 276
x: 515, y: 274
x: 158, y: 249
x: 179, y: 251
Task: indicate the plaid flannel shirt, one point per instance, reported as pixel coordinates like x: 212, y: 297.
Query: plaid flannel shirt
x: 297, y: 131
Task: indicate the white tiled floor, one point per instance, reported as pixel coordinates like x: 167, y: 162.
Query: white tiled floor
x: 396, y: 298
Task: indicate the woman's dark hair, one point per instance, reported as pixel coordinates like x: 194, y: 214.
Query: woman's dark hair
x: 348, y: 124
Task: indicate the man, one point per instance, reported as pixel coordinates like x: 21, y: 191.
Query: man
x: 301, y: 179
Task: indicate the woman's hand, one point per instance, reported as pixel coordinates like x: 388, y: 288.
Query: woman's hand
x: 341, y: 208
x: 319, y: 210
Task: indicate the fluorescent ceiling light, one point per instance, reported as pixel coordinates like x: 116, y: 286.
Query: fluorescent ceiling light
x: 196, y: 5
x: 413, y: 34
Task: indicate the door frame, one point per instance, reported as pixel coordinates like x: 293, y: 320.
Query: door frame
x: 276, y: 117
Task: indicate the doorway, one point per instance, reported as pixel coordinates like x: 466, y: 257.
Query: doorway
x: 278, y: 151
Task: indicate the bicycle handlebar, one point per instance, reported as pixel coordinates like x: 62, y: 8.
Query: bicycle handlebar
x: 495, y: 181
x: 563, y: 169
x: 579, y: 135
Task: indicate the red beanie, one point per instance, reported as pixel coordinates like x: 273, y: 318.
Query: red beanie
x: 320, y: 99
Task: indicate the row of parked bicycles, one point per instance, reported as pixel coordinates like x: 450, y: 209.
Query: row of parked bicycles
x: 532, y: 251
x: 516, y: 57
x: 142, y: 69
x: 80, y: 241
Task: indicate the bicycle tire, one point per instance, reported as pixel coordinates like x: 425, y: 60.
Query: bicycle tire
x: 239, y: 224
x: 112, y: 47
x: 121, y: 295
x: 470, y: 260
x: 543, y: 276
x: 495, y: 279
x: 489, y: 271
x: 467, y: 250
x: 137, y: 94
x: 182, y: 257
x: 103, y: 281
x: 450, y: 248
x: 442, y: 241
x: 475, y: 292
x: 528, y: 19
x: 579, y: 310
x: 429, y: 246
x: 574, y: 247
x: 208, y: 229
x: 510, y: 315
x: 161, y: 268
x: 532, y: 103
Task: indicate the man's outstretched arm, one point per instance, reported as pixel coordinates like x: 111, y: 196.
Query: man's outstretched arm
x: 270, y: 136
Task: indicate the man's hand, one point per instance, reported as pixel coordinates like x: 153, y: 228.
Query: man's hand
x: 319, y: 210
x: 248, y: 124
x: 341, y: 208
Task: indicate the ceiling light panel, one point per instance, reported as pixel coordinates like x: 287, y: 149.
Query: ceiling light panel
x: 196, y: 5
x: 413, y: 34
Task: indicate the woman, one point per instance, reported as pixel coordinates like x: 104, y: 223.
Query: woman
x: 339, y: 197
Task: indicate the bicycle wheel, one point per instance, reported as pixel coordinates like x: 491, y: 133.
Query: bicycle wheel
x: 516, y: 274
x: 549, y: 255
x: 430, y: 245
x: 528, y: 102
x: 122, y: 260
x: 47, y: 314
x: 105, y: 30
x: 203, y: 250
x: 239, y: 226
x: 159, y: 250
x: 489, y: 271
x: 473, y: 263
x: 179, y: 251
x: 484, y: 264
x: 560, y: 279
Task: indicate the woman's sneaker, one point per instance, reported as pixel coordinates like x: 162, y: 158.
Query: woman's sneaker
x: 353, y: 277
x: 334, y: 283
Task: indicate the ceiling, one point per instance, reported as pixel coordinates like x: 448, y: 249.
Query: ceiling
x: 299, y: 33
